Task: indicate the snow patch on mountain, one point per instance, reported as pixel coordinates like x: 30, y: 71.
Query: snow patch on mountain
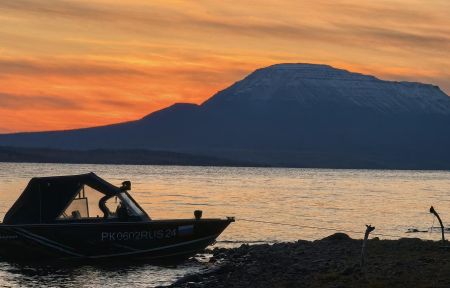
x: 311, y: 84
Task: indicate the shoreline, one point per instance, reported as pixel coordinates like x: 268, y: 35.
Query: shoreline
x: 223, y: 166
x: 333, y: 261
x: 141, y: 156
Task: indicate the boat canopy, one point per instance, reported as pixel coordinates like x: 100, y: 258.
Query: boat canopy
x: 46, y: 198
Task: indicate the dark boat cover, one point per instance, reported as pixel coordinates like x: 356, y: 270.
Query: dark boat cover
x: 45, y: 198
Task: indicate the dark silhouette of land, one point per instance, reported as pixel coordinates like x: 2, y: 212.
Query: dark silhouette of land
x: 102, y: 156
x: 288, y: 115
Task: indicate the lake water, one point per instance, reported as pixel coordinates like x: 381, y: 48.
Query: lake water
x: 341, y: 200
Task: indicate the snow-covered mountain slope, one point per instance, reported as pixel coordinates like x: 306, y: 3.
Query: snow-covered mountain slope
x: 310, y: 85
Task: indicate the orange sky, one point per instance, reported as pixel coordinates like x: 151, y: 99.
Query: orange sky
x: 67, y: 64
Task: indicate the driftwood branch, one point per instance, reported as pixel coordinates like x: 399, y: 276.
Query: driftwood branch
x: 363, y: 250
x: 440, y: 222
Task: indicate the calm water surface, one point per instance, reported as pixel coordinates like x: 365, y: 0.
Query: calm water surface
x: 345, y: 200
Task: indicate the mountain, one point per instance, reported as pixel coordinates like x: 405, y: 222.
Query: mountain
x: 299, y: 115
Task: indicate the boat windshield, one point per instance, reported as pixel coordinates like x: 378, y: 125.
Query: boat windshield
x: 90, y: 203
x: 133, y: 209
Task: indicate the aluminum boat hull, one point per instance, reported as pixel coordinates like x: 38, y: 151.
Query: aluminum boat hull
x: 155, y: 240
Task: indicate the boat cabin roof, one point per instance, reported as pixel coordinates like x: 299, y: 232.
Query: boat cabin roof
x: 45, y: 199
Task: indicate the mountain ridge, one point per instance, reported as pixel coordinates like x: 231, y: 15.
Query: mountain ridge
x: 278, y: 116
x: 308, y: 80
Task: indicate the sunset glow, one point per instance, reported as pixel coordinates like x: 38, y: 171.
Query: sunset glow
x: 71, y: 64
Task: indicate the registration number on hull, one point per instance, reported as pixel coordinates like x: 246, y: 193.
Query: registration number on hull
x: 182, y: 231
x: 139, y: 235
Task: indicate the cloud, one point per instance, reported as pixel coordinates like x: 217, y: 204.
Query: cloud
x: 378, y: 11
x: 14, y: 101
x: 4, y: 130
x: 71, y: 67
x: 398, y: 38
x: 59, y: 8
x: 115, y: 14
x: 341, y: 23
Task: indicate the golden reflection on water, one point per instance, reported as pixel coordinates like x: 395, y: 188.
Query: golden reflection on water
x: 336, y: 199
x: 392, y: 201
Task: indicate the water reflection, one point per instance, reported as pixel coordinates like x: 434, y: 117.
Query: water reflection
x: 341, y: 199
x: 93, y: 275
x: 392, y: 201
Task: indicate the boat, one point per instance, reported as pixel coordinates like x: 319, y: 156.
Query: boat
x: 84, y: 217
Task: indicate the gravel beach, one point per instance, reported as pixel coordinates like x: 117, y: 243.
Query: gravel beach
x: 330, y: 262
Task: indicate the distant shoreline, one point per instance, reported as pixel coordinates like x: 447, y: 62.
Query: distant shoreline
x: 158, y: 158
x: 112, y: 157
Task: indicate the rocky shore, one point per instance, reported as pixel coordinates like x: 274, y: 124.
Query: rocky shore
x: 331, y: 262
